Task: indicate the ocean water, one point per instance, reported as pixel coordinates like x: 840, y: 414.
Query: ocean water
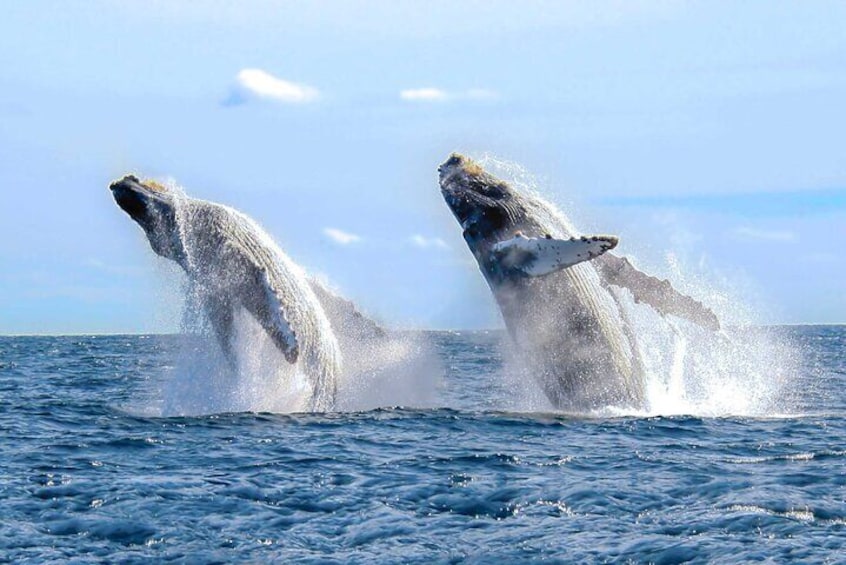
x: 89, y: 473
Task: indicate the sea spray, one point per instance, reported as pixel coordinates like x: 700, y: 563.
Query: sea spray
x: 204, y: 381
x: 400, y: 369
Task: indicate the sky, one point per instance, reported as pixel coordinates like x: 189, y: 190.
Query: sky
x: 710, y: 136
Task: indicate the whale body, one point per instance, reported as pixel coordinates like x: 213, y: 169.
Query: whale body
x: 232, y: 263
x: 554, y: 290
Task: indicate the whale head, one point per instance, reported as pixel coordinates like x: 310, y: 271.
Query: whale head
x: 487, y: 208
x: 153, y: 207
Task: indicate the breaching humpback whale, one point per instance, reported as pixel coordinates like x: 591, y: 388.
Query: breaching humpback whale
x: 232, y: 263
x: 553, y: 290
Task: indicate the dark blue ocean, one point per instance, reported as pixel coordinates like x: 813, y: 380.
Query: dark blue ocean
x: 86, y: 477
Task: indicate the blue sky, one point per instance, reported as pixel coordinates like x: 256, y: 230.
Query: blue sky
x: 708, y: 135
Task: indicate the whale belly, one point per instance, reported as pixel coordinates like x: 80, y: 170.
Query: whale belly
x: 570, y: 334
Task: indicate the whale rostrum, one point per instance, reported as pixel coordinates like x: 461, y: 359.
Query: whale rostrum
x: 232, y: 263
x: 556, y: 290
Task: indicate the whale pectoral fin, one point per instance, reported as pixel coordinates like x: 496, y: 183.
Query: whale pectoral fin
x: 659, y: 294
x: 220, y: 315
x: 345, y: 318
x: 262, y: 301
x: 538, y: 256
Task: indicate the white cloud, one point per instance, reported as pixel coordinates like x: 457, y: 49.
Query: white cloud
x: 256, y: 83
x: 428, y: 242
x: 431, y: 94
x: 768, y: 235
x: 424, y: 95
x: 341, y: 237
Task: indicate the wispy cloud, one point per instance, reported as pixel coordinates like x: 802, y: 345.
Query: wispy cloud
x: 259, y: 84
x: 767, y: 235
x: 341, y: 237
x: 431, y: 94
x: 428, y: 242
x: 424, y: 95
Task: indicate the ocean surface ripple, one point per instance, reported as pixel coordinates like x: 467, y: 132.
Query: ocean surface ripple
x: 88, y: 477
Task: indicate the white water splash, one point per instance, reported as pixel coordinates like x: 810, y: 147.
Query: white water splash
x: 203, y: 381
x: 400, y: 369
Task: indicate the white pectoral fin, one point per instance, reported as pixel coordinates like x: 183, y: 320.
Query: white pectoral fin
x: 344, y: 316
x: 536, y: 257
x: 264, y: 304
x: 659, y: 294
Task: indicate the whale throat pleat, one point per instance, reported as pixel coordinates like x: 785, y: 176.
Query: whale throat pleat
x: 271, y: 287
x: 597, y: 300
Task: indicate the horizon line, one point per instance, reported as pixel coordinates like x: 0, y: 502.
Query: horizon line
x: 443, y: 330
